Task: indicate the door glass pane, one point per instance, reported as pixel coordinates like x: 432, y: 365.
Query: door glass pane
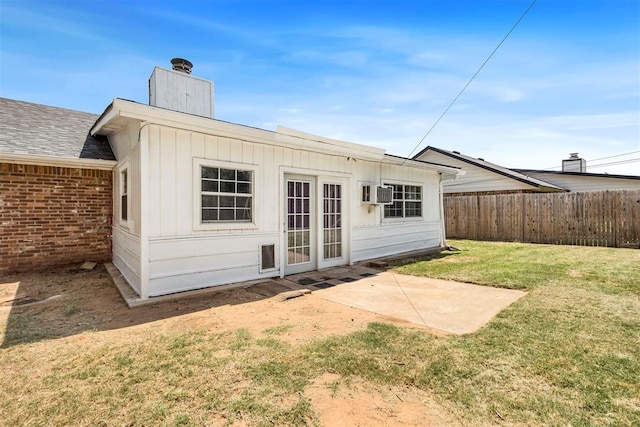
x: 331, y: 221
x: 298, y: 222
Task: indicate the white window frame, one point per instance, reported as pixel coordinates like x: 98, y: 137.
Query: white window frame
x: 124, y: 174
x: 404, y: 218
x: 198, y: 225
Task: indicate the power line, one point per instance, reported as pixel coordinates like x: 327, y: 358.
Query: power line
x: 619, y: 162
x: 611, y: 157
x: 595, y: 160
x: 472, y: 78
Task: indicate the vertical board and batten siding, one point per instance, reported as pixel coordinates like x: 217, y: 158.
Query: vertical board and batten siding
x: 595, y: 218
x: 126, y: 236
x: 182, y: 257
x: 373, y: 236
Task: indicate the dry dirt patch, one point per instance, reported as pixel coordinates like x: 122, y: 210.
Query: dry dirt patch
x: 88, y: 301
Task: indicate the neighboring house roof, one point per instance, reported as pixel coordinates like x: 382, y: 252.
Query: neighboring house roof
x: 531, y: 182
x: 584, y: 174
x: 44, y: 131
x: 584, y: 181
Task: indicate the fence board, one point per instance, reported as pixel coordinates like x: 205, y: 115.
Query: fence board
x: 597, y: 218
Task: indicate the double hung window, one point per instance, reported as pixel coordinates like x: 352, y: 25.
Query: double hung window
x: 407, y: 202
x: 226, y: 195
x: 124, y: 195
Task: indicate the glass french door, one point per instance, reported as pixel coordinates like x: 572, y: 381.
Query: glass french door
x: 300, y: 225
x: 331, y: 221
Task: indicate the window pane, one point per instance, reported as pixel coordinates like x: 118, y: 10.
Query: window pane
x: 209, y: 172
x: 227, y: 215
x: 244, y: 176
x: 211, y: 186
x: 123, y: 205
x: 227, y: 201
x: 209, y: 215
x: 209, y: 201
x: 124, y: 181
x: 228, y: 174
x: 243, y: 215
x: 227, y: 187
x: 413, y: 209
x: 243, y: 202
x: 244, y: 187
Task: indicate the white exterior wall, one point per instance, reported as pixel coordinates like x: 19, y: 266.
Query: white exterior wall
x: 183, y: 256
x: 475, y: 179
x: 126, y: 235
x: 576, y: 183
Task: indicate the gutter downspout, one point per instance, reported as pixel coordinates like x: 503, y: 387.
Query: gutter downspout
x: 443, y: 234
x: 143, y: 141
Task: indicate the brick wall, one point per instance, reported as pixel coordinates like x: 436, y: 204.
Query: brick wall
x: 53, y: 216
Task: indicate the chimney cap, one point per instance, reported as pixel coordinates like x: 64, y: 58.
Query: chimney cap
x: 573, y: 155
x: 182, y: 65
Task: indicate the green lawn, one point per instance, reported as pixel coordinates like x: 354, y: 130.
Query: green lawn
x: 566, y: 354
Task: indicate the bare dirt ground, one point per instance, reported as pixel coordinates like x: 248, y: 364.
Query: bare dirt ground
x: 61, y: 303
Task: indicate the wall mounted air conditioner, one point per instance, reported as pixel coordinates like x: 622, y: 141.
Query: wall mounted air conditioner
x: 377, y: 194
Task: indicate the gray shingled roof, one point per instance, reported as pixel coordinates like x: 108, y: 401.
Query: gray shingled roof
x: 41, y: 130
x: 500, y: 170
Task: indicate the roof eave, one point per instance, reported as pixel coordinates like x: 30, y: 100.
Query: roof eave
x: 401, y: 161
x: 68, y: 162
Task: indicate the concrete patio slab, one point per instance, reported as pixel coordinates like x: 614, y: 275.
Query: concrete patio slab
x: 453, y: 307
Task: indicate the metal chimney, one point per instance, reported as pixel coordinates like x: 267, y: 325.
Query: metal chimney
x: 574, y: 164
x: 182, y: 65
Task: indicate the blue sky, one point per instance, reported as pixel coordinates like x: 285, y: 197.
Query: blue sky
x: 370, y: 72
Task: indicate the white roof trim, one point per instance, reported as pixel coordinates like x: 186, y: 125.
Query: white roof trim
x: 373, y: 151
x: 64, y: 162
x: 121, y: 112
x: 401, y: 161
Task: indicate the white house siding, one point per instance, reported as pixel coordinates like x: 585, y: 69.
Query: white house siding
x: 390, y: 239
x: 126, y: 235
x: 476, y: 178
x: 183, y: 256
x: 576, y: 183
x: 374, y: 236
x: 126, y: 256
x: 181, y: 264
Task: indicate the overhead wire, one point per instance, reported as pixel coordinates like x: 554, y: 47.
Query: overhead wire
x: 472, y: 78
x: 595, y: 160
x: 620, y: 162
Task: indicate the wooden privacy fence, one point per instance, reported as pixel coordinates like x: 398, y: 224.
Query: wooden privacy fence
x: 598, y: 218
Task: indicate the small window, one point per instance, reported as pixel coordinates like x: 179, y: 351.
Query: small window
x: 407, y: 202
x: 226, y: 195
x: 124, y: 194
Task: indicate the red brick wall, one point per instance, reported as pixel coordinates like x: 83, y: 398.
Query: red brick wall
x: 53, y: 216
